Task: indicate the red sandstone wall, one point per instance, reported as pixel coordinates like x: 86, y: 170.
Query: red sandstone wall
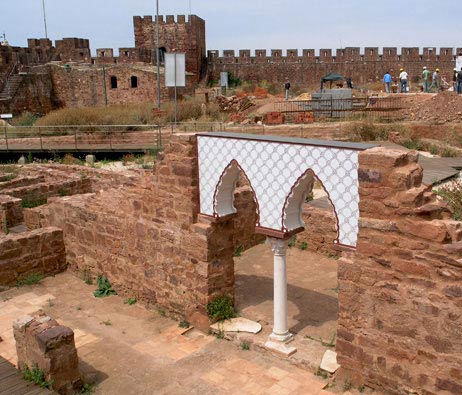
x: 37, y: 252
x: 400, y: 295
x: 180, y: 35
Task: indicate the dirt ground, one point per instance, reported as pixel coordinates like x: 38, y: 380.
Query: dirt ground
x: 128, y: 350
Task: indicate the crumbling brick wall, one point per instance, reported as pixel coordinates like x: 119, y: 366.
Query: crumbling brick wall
x: 10, y: 212
x: 40, y: 251
x: 400, y: 294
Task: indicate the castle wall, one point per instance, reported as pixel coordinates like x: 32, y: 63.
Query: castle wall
x: 306, y: 69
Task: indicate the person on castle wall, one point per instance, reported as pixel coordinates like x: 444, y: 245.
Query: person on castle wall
x: 287, y: 89
x: 459, y: 82
x: 435, y: 80
x: 403, y: 77
x: 349, y: 83
x: 426, y: 76
x: 454, y: 79
x: 387, y: 79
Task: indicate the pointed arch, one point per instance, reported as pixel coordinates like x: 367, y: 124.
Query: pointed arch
x: 292, y: 209
x: 223, y: 197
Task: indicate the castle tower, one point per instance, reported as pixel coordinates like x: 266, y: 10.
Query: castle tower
x: 180, y: 35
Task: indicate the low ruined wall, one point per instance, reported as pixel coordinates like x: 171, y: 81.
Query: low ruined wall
x: 399, y: 292
x: 10, y: 212
x: 38, y: 252
x: 45, y: 190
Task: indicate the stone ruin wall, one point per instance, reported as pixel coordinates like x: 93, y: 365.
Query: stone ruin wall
x: 37, y: 252
x: 308, y: 69
x: 399, y: 291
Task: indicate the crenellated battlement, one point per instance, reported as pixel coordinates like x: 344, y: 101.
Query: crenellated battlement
x: 165, y: 19
x: 348, y: 54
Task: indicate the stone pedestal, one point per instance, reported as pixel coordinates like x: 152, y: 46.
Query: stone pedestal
x: 43, y: 344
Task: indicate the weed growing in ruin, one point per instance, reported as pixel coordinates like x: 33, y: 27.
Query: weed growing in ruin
x: 50, y: 303
x: 63, y: 191
x: 413, y: 144
x: 221, y: 308
x: 245, y: 345
x: 87, y: 389
x: 239, y: 250
x: 78, y: 308
x: 31, y: 279
x: 322, y: 373
x: 104, y: 288
x: 184, y: 324
x: 70, y: 160
x: 347, y: 385
x: 130, y: 301
x: 452, y: 195
x: 162, y: 312
x: 292, y: 241
x: 30, y: 158
x: 361, y: 388
x: 37, y: 376
x: 219, y: 335
x: 331, y: 343
x: 303, y: 245
x: 107, y: 322
x: 86, y: 277
x: 33, y: 200
x: 6, y: 230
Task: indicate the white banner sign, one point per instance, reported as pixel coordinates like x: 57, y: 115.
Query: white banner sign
x: 224, y: 79
x: 459, y: 63
x: 6, y: 116
x: 175, y: 69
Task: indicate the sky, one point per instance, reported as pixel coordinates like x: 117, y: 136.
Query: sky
x: 245, y: 24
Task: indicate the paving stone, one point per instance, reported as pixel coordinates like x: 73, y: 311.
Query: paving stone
x: 329, y: 362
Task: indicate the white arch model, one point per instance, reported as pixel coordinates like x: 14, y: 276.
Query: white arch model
x: 280, y: 171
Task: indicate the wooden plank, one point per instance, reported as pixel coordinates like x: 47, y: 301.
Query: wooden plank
x: 12, y: 383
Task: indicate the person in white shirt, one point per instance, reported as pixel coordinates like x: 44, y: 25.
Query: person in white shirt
x: 403, y: 77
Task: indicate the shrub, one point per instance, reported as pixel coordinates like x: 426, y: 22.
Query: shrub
x: 452, y: 195
x: 25, y: 119
x: 221, y: 308
x: 130, y: 301
x: 104, y: 288
x: 368, y: 131
x: 70, y: 160
x: 239, y: 250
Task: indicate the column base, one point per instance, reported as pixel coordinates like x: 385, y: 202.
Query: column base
x: 280, y: 348
x: 285, y: 338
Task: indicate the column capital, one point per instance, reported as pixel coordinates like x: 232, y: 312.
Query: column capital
x: 278, y: 246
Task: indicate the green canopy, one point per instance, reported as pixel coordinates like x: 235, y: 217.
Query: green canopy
x: 332, y: 77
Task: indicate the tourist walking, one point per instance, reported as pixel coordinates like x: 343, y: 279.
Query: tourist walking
x: 403, y: 77
x: 387, y: 79
x: 459, y: 82
x: 435, y: 82
x: 454, y: 79
x: 287, y: 88
x: 426, y: 76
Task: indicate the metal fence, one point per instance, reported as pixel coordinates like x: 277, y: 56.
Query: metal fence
x: 388, y: 107
x: 97, y: 137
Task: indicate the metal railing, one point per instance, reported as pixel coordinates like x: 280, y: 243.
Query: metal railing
x: 389, y: 107
x: 6, y: 81
x: 97, y: 137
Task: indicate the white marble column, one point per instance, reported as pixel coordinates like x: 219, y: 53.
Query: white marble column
x: 280, y: 330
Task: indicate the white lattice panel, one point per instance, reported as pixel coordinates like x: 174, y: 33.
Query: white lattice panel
x: 273, y: 168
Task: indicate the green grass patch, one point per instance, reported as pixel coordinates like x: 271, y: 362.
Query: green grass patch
x: 130, y: 301
x: 30, y: 279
